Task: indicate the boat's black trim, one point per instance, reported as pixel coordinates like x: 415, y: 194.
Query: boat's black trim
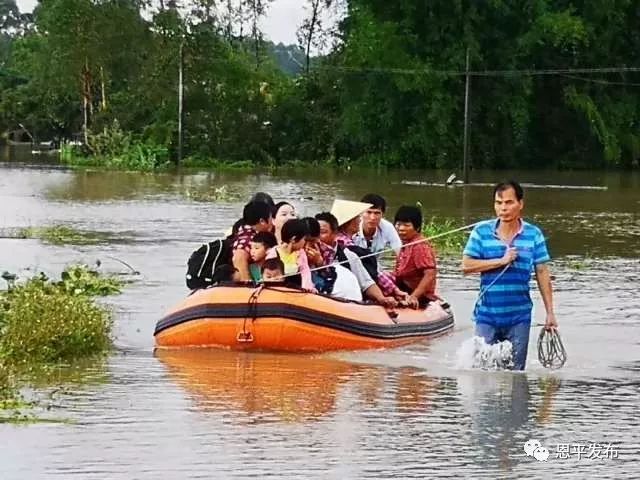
x: 306, y: 315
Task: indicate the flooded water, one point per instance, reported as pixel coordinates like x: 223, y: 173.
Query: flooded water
x: 404, y: 413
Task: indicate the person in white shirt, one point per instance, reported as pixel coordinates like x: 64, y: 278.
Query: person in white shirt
x: 376, y: 233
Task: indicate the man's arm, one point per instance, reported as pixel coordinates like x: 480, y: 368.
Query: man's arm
x: 543, y: 278
x: 375, y: 294
x: 240, y: 261
x: 473, y: 265
x: 367, y: 285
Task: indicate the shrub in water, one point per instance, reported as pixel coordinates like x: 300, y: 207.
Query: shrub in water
x: 81, y: 280
x: 112, y: 148
x: 7, y: 387
x: 45, y: 322
x: 447, y: 244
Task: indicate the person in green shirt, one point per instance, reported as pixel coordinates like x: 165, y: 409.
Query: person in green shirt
x: 260, y: 244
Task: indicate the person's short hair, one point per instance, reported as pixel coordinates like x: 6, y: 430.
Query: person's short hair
x: 504, y: 186
x: 254, y: 211
x: 313, y: 227
x: 277, y: 206
x: 294, y: 228
x: 273, y: 264
x: 330, y: 219
x: 264, y: 198
x: 409, y: 214
x: 267, y: 239
x: 375, y: 200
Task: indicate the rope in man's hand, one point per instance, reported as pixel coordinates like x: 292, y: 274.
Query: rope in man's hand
x: 551, y: 352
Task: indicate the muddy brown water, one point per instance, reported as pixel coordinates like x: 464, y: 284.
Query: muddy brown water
x: 404, y: 413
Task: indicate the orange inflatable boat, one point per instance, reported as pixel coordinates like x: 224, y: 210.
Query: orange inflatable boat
x: 279, y: 318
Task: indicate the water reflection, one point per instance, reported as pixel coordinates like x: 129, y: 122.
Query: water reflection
x: 414, y: 390
x: 83, y: 372
x: 500, y: 405
x: 266, y: 387
x: 291, y: 388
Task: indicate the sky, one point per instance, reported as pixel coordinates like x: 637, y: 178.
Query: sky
x: 283, y: 19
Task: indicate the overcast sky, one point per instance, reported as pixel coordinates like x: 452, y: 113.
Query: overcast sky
x: 280, y: 25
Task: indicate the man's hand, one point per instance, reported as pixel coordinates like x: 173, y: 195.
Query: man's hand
x: 551, y: 323
x: 509, y: 256
x: 389, y: 302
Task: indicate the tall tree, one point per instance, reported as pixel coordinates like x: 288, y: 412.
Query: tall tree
x: 311, y: 33
x: 255, y: 11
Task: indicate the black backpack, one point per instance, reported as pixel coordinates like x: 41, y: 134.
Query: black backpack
x: 211, y: 263
x: 370, y: 263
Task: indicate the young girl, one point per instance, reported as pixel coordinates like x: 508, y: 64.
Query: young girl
x: 291, y: 252
x: 260, y: 245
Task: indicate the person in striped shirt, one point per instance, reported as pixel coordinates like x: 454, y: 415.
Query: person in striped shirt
x: 505, y: 251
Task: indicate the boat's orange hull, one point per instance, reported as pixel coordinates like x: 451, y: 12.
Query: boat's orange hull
x: 283, y: 319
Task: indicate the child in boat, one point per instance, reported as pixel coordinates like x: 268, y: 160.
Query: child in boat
x: 291, y: 252
x: 272, y: 270
x: 260, y: 245
x: 415, y: 270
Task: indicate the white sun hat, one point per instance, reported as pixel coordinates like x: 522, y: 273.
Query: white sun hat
x: 345, y: 210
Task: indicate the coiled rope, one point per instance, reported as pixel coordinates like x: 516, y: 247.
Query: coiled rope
x: 551, y: 352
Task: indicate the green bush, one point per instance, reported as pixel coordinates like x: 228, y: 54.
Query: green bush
x: 81, y: 280
x: 42, y: 321
x: 115, y: 149
x: 7, y: 386
x: 445, y: 243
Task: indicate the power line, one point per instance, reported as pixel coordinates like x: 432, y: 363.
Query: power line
x: 481, y: 73
x: 601, y: 82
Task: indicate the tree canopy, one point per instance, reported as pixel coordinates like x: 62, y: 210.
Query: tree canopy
x: 388, y: 92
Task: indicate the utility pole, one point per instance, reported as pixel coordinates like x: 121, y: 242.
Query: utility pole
x: 465, y: 156
x: 180, y: 98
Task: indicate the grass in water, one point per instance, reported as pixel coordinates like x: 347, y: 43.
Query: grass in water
x: 59, y: 235
x: 44, y: 322
x: 580, y: 263
x: 449, y: 244
x: 216, y: 194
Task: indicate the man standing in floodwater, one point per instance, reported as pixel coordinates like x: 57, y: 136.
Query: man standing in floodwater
x: 505, y: 251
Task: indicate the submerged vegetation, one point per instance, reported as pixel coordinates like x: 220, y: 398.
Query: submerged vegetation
x: 579, y: 263
x: 215, y: 194
x: 57, y: 235
x: 44, y: 322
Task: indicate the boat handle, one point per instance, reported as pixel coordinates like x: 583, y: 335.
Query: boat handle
x: 244, y: 337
